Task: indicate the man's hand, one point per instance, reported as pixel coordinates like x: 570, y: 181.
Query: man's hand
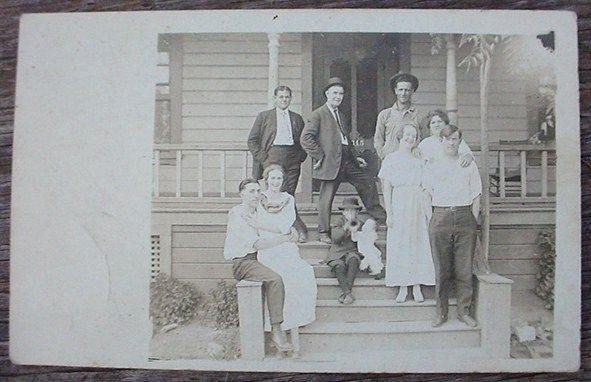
x: 389, y: 220
x: 466, y: 160
x: 362, y: 163
x: 416, y: 152
x: 318, y: 164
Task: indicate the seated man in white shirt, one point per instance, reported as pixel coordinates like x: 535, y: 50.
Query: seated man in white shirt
x: 431, y: 147
x: 455, y: 195
x: 241, y: 246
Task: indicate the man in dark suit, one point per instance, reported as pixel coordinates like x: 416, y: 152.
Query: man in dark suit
x: 327, y: 140
x: 275, y: 138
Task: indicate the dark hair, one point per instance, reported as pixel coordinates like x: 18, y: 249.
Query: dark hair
x: 246, y: 182
x: 400, y: 132
x: 440, y: 113
x: 272, y: 167
x: 281, y: 88
x: 449, y: 130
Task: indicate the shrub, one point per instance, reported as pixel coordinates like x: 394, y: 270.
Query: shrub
x: 223, y: 305
x: 173, y: 301
x: 546, y: 241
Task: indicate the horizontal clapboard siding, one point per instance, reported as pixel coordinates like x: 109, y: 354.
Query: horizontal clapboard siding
x: 197, y: 254
x: 225, y: 81
x: 507, y: 119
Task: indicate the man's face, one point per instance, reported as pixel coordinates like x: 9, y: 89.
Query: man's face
x: 282, y: 99
x: 251, y: 194
x: 403, y: 92
x: 334, y: 96
x: 451, y: 144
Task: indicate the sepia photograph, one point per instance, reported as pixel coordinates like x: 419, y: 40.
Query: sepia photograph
x: 341, y: 199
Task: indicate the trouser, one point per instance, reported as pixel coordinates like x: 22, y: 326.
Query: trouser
x: 363, y: 182
x: 452, y: 234
x: 346, y: 269
x: 248, y: 268
x: 288, y: 157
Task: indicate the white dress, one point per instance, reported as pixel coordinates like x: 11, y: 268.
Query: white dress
x: 408, y: 252
x: 298, y: 276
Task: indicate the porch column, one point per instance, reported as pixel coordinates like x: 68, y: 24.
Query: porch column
x: 273, y: 66
x: 451, y: 84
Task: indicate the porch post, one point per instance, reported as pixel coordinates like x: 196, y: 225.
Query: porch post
x: 451, y: 84
x: 250, y: 315
x: 273, y: 66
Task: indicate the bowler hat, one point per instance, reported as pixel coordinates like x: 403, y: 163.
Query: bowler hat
x: 350, y: 202
x: 404, y: 77
x: 334, y: 81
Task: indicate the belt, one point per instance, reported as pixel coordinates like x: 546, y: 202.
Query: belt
x: 451, y: 208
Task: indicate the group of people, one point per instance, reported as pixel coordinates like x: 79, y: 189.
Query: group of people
x: 431, y: 190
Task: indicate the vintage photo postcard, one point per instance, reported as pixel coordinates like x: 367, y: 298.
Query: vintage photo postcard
x: 314, y: 191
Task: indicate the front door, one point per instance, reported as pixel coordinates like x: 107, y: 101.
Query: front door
x: 365, y: 62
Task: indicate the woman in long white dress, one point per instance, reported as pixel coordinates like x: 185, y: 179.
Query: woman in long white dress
x: 275, y: 216
x: 408, y: 252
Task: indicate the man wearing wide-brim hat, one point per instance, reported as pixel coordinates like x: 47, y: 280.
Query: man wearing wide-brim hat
x: 394, y: 118
x: 326, y: 138
x: 343, y: 257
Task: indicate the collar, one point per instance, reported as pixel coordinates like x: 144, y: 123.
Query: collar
x: 331, y: 109
x: 279, y: 111
x: 411, y: 109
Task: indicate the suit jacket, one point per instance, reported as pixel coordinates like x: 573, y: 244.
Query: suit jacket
x: 321, y: 139
x: 263, y: 134
x: 341, y: 240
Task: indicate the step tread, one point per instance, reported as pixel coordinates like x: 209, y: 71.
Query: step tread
x: 318, y: 244
x: 380, y: 303
x: 358, y: 282
x: 384, y: 327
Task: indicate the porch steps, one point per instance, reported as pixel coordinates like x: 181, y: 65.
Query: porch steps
x: 386, y: 336
x: 385, y: 310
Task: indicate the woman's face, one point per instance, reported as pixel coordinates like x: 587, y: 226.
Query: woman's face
x: 409, y: 136
x: 275, y: 180
x: 435, y: 125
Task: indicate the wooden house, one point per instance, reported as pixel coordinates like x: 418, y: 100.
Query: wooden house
x: 211, y: 87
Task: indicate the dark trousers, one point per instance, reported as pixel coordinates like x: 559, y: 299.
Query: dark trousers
x: 452, y: 234
x: 346, y: 269
x: 248, y: 268
x: 288, y: 158
x: 363, y: 182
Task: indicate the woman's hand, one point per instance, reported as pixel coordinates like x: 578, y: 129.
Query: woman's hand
x: 389, y: 220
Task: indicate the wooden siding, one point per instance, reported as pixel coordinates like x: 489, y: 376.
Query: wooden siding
x: 197, y: 254
x: 507, y: 94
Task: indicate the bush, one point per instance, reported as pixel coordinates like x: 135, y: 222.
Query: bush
x: 546, y: 241
x: 223, y: 305
x: 173, y: 301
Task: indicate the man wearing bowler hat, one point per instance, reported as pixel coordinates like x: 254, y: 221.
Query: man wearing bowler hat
x: 343, y: 257
x: 326, y: 138
x: 394, y: 118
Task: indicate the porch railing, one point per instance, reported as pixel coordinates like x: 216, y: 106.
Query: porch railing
x: 518, y: 172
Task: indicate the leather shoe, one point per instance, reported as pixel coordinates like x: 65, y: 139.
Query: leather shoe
x: 303, y: 237
x: 468, y: 320
x: 323, y: 238
x: 348, y: 299
x: 438, y: 321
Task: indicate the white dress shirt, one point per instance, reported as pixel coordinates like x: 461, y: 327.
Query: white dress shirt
x: 450, y: 184
x: 344, y: 139
x: 240, y: 236
x: 284, y: 136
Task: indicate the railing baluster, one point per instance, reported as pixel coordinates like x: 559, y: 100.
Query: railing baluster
x: 523, y: 173
x: 223, y: 174
x: 156, y: 189
x: 544, y: 174
x: 502, y: 185
x: 179, y: 158
x: 200, y: 174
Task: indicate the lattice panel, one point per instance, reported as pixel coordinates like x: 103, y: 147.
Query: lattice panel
x: 155, y: 257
